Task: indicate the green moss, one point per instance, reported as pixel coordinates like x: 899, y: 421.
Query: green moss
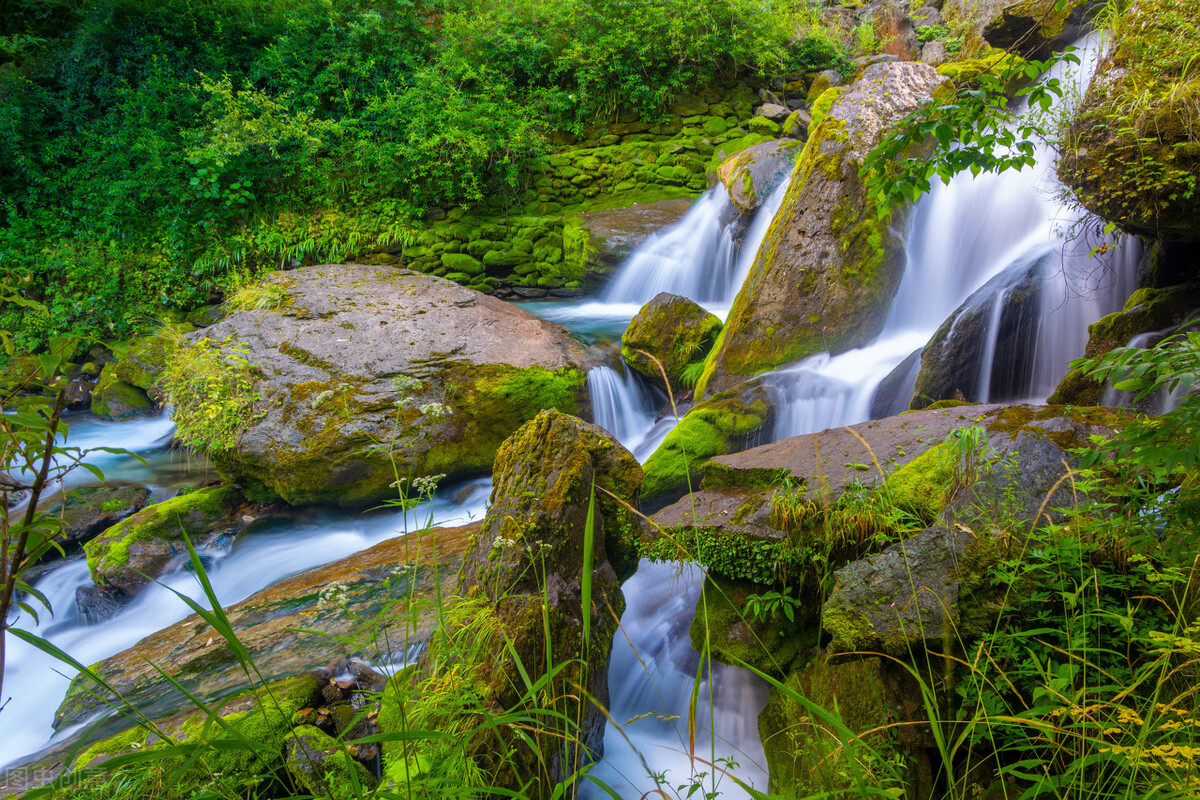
x: 113, y: 398
x: 712, y: 428
x: 823, y: 102
x: 807, y: 757
x: 191, y: 514
x: 921, y: 485
x: 722, y: 628
x: 719, y: 476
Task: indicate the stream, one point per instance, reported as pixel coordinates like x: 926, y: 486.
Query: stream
x: 969, y: 240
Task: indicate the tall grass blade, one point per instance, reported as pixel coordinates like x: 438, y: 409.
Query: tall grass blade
x: 589, y: 540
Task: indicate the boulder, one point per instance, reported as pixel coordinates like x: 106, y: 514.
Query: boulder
x: 902, y: 600
x: 1034, y: 28
x: 751, y: 175
x: 524, y: 567
x: 1135, y: 138
x: 148, y: 544
x: 829, y: 265
x: 86, y: 511
x: 973, y: 339
x: 113, y: 398
x: 670, y: 331
x: 927, y: 17
x: 894, y: 393
x: 363, y: 374
x: 773, y: 111
x: 934, y: 53
x: 893, y: 29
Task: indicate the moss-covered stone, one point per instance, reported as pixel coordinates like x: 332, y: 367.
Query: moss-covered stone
x: 921, y: 486
x: 113, y: 398
x: 830, y: 261
x: 666, y: 336
x: 721, y: 424
x: 725, y: 626
x: 1133, y: 159
x: 1032, y: 27
x: 379, y: 374
x: 806, y: 756
x: 322, y: 767
x: 138, y: 548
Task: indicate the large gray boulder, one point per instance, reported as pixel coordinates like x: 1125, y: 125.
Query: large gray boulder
x: 830, y: 264
x: 368, y: 375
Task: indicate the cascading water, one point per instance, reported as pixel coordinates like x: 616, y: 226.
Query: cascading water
x: 259, y: 557
x: 960, y: 237
x: 652, y: 671
x: 698, y: 258
x: 693, y: 258
x: 627, y: 407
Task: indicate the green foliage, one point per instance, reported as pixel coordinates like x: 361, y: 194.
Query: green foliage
x: 761, y: 607
x: 153, y: 155
x: 213, y: 388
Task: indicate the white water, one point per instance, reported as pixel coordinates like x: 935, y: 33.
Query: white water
x: 652, y: 670
x: 33, y: 682
x: 628, y: 408
x: 960, y: 237
x: 696, y: 258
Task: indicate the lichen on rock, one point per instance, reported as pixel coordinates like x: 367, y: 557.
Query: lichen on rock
x: 370, y: 377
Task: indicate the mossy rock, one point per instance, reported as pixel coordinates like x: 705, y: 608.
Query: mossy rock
x: 144, y: 359
x: 721, y: 424
x: 113, y: 398
x: 141, y: 547
x: 830, y: 262
x: 726, y: 626
x: 377, y: 372
x: 539, y: 586
x: 805, y: 755
x: 752, y: 174
x: 321, y: 766
x: 670, y: 332
x: 1133, y: 159
x: 1032, y: 28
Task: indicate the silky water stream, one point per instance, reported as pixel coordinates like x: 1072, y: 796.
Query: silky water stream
x: 968, y: 242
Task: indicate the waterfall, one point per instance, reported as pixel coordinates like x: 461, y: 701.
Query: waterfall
x: 627, y: 407
x: 960, y: 236
x: 652, y: 670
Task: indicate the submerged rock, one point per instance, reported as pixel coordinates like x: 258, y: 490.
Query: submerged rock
x: 829, y: 265
x: 674, y: 331
x: 365, y: 374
